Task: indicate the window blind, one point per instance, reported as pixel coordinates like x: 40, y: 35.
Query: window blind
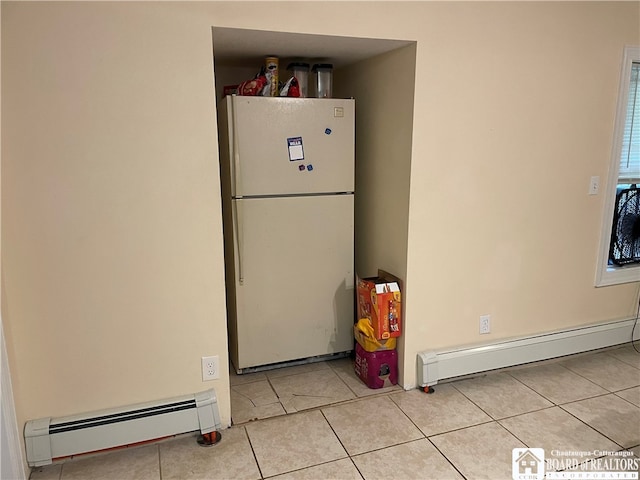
x: 630, y: 154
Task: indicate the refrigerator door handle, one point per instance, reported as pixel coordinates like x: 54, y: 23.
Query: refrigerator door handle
x: 235, y: 168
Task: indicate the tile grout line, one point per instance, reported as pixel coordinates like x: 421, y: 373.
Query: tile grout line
x: 275, y: 392
x: 586, y: 378
x: 407, y: 416
x: 447, y: 458
x: 575, y: 373
x: 622, y: 398
x: 590, y: 426
x: 412, y: 441
x: 253, y: 452
x: 245, y: 396
x: 311, y: 466
x: 491, y: 419
x: 623, y: 361
x: 602, y: 386
x: 424, y: 437
x: 160, y: 461
x: 356, y: 467
x: 318, y: 464
x: 330, y: 369
x: 336, y: 435
x: 474, y: 403
x: 343, y: 382
x: 553, y: 403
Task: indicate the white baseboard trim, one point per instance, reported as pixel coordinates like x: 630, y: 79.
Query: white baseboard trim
x: 436, y: 366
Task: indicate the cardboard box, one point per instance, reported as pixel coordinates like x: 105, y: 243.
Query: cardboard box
x: 376, y: 369
x: 380, y: 300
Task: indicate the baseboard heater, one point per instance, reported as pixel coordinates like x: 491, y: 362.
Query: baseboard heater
x: 48, y: 438
x: 436, y: 366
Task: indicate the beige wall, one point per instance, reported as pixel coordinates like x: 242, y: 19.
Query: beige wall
x: 515, y: 106
x: 111, y: 234
x: 12, y: 462
x: 112, y: 258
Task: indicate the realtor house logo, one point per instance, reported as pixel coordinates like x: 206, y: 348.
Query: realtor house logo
x: 528, y: 463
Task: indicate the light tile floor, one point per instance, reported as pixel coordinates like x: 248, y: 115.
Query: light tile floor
x: 318, y: 421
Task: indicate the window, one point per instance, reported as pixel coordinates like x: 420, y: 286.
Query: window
x: 625, y: 168
x: 630, y: 152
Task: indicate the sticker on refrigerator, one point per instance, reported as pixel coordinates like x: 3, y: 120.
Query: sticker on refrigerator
x: 295, y: 149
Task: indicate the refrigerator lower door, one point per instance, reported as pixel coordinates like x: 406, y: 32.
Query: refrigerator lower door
x: 296, y: 296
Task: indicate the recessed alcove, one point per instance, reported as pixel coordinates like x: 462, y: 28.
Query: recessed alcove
x: 380, y: 75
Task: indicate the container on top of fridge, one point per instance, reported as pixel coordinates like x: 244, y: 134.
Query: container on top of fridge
x: 300, y: 70
x: 323, y: 80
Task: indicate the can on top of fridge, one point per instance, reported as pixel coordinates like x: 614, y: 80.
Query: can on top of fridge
x: 271, y: 67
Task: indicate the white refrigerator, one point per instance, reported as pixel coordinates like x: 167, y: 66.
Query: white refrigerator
x: 287, y: 172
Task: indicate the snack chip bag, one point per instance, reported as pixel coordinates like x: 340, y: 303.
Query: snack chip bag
x: 255, y: 86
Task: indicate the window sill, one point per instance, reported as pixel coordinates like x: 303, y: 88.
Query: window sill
x: 618, y: 275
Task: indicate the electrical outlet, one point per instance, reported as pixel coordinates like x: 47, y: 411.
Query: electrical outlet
x: 594, y: 186
x: 485, y: 324
x: 210, y: 368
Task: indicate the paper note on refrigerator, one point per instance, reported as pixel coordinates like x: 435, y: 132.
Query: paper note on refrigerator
x: 295, y: 148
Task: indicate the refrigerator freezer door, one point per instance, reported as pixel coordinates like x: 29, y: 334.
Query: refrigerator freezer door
x: 290, y: 145
x: 296, y: 297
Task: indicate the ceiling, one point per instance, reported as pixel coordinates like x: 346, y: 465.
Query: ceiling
x: 235, y: 46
